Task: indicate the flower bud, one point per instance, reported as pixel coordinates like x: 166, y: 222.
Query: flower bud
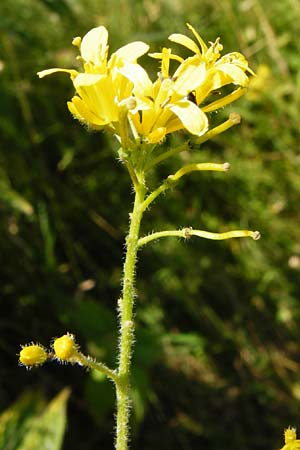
x: 76, y: 41
x: 289, y: 435
x: 32, y: 355
x: 65, y: 347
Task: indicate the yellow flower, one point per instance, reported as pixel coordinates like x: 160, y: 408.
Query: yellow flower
x: 172, y: 102
x: 164, y: 106
x: 219, y: 71
x: 32, y: 355
x: 102, y: 92
x: 117, y: 93
x: 290, y: 440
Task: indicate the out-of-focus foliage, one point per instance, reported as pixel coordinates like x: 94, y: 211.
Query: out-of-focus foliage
x: 217, y: 352
x: 30, y: 425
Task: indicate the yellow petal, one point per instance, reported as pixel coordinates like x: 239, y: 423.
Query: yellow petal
x: 157, y: 135
x: 165, y: 62
x: 237, y: 59
x: 192, y: 118
x: 174, y: 124
x: 164, y: 93
x: 185, y: 41
x: 79, y: 109
x: 87, y: 79
x: 234, y: 73
x: 94, y: 45
x: 189, y: 75
x: 131, y: 52
x: 100, y: 99
x: 46, y: 72
x: 160, y: 56
x: 198, y: 37
x: 142, y: 84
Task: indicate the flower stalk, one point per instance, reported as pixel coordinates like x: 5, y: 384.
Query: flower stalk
x: 126, y: 321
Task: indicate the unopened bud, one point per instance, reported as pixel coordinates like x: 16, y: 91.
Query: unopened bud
x: 76, y: 41
x: 32, y: 355
x: 290, y: 435
x: 65, y: 347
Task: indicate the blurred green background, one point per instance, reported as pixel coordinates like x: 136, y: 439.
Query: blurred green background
x: 217, y: 359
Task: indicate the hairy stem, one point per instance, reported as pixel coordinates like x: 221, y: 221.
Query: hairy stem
x: 126, y: 322
x: 86, y: 361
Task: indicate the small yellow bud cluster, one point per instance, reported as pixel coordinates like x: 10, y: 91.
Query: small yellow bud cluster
x: 65, y: 350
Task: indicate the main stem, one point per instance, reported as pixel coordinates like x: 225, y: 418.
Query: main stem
x: 126, y: 321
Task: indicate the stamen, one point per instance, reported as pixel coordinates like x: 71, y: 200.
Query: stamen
x: 164, y: 103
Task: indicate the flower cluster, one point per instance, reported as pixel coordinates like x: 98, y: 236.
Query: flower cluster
x: 101, y: 91
x: 118, y: 95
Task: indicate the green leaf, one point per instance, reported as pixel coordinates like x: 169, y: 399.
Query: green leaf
x: 141, y: 392
x: 12, y: 199
x: 148, y: 347
x: 29, y: 425
x: 15, y: 421
x: 99, y: 393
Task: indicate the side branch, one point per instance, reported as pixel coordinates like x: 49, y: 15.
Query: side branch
x: 186, y: 233
x: 66, y: 350
x: 89, y: 362
x: 167, y: 154
x: 234, y: 119
x: 171, y: 180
